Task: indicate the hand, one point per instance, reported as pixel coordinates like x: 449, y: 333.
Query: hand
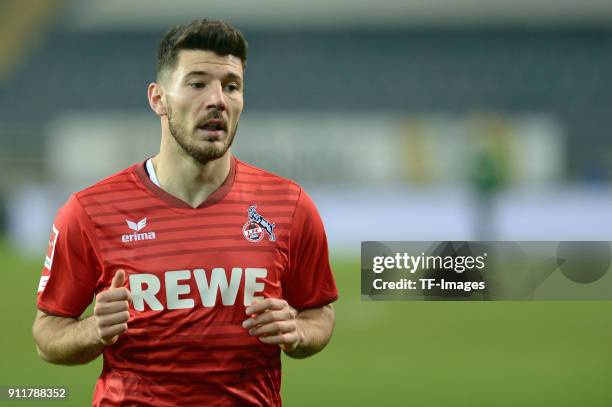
x: 111, y: 310
x: 274, y: 322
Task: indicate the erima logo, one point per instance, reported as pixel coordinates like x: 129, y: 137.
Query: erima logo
x: 137, y: 227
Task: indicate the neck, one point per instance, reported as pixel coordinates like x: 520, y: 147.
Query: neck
x: 181, y: 175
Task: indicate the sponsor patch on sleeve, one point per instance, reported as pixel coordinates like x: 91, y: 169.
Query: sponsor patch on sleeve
x: 51, y: 250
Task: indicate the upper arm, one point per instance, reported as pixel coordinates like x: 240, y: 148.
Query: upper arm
x: 39, y: 315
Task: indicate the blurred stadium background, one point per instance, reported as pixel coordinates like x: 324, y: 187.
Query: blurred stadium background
x: 405, y: 120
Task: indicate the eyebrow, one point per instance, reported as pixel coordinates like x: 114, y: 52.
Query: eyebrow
x: 230, y: 75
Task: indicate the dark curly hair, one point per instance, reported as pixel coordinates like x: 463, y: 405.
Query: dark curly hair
x: 209, y: 35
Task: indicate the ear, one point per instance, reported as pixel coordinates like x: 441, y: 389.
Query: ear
x: 155, y: 95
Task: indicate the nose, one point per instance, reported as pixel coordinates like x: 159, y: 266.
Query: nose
x: 216, y: 99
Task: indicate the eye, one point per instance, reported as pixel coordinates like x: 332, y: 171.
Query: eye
x: 232, y: 87
x: 196, y: 85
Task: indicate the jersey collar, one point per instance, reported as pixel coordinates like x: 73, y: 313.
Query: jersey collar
x: 171, y: 200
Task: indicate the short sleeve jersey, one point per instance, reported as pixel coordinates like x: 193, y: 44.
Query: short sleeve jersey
x: 192, y: 273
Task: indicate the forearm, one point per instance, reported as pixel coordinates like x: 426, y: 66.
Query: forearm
x: 66, y: 341
x: 315, y: 327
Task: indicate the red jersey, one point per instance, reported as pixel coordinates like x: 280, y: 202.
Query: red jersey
x: 192, y: 272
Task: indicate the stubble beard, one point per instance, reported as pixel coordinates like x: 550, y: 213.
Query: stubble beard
x: 203, y: 155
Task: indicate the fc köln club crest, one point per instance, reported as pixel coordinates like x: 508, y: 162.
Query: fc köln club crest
x: 257, y: 226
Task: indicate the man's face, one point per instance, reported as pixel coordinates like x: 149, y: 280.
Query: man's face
x: 204, y: 99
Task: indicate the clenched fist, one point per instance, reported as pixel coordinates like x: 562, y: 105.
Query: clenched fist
x: 111, y: 310
x: 274, y: 321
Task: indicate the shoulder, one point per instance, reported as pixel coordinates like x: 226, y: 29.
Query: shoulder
x: 247, y: 174
x: 118, y: 182
x: 114, y: 187
x: 283, y: 190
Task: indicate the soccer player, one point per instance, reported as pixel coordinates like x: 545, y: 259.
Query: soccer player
x: 203, y: 268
